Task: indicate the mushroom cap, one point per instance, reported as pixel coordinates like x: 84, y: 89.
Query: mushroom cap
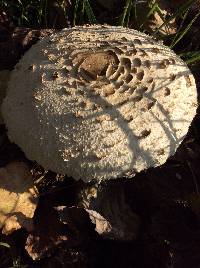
x: 4, y: 77
x: 99, y: 102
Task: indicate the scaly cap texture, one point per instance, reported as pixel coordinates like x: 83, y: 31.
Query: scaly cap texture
x: 99, y: 102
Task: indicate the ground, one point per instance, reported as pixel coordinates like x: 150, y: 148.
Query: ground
x: 166, y: 199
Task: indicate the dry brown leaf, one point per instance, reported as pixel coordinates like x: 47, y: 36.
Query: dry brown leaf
x: 18, y: 197
x: 56, y: 227
x: 48, y: 232
x: 157, y: 19
x: 15, y: 42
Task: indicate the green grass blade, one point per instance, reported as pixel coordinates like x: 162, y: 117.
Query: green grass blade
x: 20, y: 2
x: 129, y: 14
x: 185, y: 31
x: 126, y: 13
x: 179, y: 29
x: 134, y: 5
x: 44, y: 11
x: 176, y: 14
x: 193, y: 59
x: 3, y: 244
x: 77, y: 2
x: 89, y: 12
x: 82, y: 12
x: 151, y: 12
x: 190, y: 56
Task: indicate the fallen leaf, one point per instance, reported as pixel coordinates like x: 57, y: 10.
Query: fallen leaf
x: 158, y: 18
x: 77, y: 221
x: 16, y: 42
x: 103, y: 226
x: 56, y: 227
x: 18, y: 197
x: 48, y: 233
x: 70, y: 258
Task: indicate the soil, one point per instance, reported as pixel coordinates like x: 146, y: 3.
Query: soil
x: 167, y: 199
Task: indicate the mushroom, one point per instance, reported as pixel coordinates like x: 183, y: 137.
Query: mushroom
x: 4, y: 76
x: 99, y: 102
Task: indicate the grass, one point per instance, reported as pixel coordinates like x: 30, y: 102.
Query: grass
x: 190, y: 57
x: 34, y: 13
x: 177, y: 14
x: 125, y: 17
x: 25, y: 12
x: 83, y: 12
x: 130, y: 12
x: 5, y: 260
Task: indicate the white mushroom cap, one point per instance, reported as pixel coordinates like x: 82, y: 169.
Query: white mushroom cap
x: 99, y: 102
x: 4, y: 77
